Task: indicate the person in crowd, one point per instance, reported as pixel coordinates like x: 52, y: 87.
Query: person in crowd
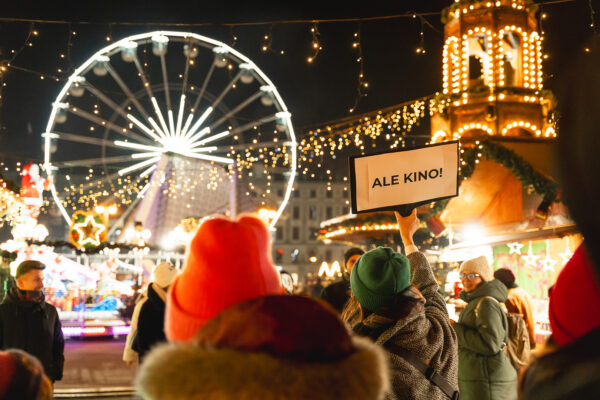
x: 519, y: 301
x: 151, y: 320
x: 287, y: 281
x: 567, y: 366
x: 316, y: 287
x: 7, y: 282
x: 338, y: 293
x: 130, y: 356
x: 22, y: 377
x: 228, y: 261
x: 28, y: 323
x: 273, y: 347
x: 484, y: 369
x: 395, y: 302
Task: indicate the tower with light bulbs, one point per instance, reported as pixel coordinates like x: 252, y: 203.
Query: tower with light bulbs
x: 492, y: 74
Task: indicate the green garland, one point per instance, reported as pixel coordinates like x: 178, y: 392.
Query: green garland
x: 520, y: 168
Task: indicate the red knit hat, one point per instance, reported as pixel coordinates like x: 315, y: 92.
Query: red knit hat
x: 283, y: 326
x: 22, y: 377
x: 575, y: 300
x: 227, y: 262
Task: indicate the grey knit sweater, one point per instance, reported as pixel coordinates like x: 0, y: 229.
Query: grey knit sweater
x: 428, y: 334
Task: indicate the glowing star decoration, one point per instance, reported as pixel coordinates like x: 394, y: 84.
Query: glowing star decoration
x: 86, y: 231
x: 567, y: 254
x: 548, y: 263
x: 515, y: 248
x: 530, y: 259
x: 89, y: 231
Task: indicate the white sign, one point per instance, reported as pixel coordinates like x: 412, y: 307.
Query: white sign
x: 408, y: 177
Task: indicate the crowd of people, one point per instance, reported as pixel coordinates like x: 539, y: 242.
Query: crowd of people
x: 225, y: 328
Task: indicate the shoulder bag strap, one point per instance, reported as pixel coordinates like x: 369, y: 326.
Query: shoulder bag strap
x: 505, y: 316
x: 428, y: 371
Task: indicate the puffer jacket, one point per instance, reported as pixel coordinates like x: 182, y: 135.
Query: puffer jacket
x: 426, y: 332
x: 484, y: 370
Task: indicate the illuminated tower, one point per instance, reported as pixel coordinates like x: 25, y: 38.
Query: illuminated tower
x: 492, y: 73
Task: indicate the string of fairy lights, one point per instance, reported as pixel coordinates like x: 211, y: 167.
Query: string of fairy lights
x: 392, y: 125
x: 266, y: 44
x: 363, y: 133
x: 12, y: 209
x: 362, y: 85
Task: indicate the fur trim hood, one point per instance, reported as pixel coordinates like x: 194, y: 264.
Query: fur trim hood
x: 179, y: 371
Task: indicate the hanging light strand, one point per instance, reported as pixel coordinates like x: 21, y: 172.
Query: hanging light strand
x: 362, y: 84
x: 267, y: 43
x: 592, y: 16
x: 421, y: 48
x: 315, y: 45
x: 234, y: 37
x: 109, y: 34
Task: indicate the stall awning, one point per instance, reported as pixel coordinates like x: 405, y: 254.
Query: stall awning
x: 529, y: 234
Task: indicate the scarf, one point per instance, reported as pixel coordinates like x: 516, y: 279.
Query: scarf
x: 35, y: 296
x: 160, y: 292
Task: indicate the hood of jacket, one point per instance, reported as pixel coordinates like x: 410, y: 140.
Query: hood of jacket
x: 190, y: 371
x: 494, y: 288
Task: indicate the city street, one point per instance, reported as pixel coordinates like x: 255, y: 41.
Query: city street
x: 92, y: 364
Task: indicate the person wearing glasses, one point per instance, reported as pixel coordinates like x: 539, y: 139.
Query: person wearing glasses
x: 484, y: 370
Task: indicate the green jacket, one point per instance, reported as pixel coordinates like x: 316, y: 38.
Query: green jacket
x: 484, y: 370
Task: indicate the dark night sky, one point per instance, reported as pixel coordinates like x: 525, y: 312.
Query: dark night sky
x: 314, y: 93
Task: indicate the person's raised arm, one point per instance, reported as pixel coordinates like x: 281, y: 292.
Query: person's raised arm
x: 421, y: 274
x: 408, y: 226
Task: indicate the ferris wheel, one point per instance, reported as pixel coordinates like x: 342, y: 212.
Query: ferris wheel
x: 167, y: 114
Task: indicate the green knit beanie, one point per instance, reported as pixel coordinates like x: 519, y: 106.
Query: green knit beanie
x: 378, y: 276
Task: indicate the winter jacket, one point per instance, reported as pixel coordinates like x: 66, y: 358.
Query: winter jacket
x: 337, y: 294
x: 427, y: 333
x: 33, y: 326
x: 568, y: 372
x: 484, y: 370
x: 519, y: 302
x: 170, y: 372
x: 129, y: 354
x: 151, y: 321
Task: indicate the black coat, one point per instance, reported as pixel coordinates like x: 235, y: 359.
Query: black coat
x: 35, y: 328
x: 568, y: 372
x: 337, y: 294
x: 151, y: 321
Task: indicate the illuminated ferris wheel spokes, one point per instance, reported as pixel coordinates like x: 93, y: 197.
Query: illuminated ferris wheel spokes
x: 142, y: 130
